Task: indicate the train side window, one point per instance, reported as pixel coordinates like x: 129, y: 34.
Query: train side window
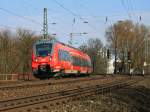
x: 86, y: 63
x: 83, y: 62
x: 69, y: 57
x: 89, y: 63
x: 59, y: 54
x: 77, y: 61
x: 63, y: 55
x: 66, y: 55
x: 73, y: 60
x: 80, y: 62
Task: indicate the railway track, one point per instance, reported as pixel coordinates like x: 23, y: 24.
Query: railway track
x: 37, y: 102
x: 49, y: 82
x: 57, y: 85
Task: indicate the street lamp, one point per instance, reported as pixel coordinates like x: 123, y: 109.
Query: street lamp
x: 85, y: 22
x: 54, y: 34
x: 53, y: 23
x: 84, y: 33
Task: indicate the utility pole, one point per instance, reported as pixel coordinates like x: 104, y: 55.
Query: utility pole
x: 70, y: 42
x: 115, y: 36
x: 127, y: 63
x: 45, y: 24
x: 146, y: 53
x: 115, y: 71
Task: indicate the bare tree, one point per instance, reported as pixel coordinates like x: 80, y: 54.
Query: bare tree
x: 25, y: 42
x: 129, y: 39
x: 6, y: 46
x: 94, y: 49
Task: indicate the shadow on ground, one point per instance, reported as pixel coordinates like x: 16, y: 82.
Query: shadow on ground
x: 137, y: 98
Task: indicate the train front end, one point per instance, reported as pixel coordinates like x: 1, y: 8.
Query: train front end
x: 42, y: 59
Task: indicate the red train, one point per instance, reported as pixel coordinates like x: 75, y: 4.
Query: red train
x: 51, y: 57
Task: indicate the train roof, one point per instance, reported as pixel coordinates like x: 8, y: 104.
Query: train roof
x: 53, y: 40
x: 45, y: 41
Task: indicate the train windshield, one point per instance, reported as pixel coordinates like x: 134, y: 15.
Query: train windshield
x: 43, y: 49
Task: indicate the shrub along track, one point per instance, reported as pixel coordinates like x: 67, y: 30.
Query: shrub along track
x: 35, y: 103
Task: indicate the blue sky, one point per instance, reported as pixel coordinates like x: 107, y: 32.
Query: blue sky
x: 93, y: 11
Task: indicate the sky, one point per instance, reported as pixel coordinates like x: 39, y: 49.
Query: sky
x: 28, y: 14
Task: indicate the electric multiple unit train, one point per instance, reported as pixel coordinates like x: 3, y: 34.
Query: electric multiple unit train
x: 51, y: 57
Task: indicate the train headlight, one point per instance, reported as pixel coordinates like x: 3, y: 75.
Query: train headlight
x: 50, y: 58
x: 36, y: 60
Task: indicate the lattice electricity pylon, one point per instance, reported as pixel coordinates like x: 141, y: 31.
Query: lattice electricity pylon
x: 45, y: 24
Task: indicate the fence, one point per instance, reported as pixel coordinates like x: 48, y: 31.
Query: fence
x: 15, y: 77
x: 8, y: 77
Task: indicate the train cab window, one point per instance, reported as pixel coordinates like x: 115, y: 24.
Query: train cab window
x: 43, y: 49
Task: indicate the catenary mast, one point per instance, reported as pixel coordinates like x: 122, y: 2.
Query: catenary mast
x: 45, y: 24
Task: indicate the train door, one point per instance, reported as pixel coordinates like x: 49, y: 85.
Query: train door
x: 71, y: 63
